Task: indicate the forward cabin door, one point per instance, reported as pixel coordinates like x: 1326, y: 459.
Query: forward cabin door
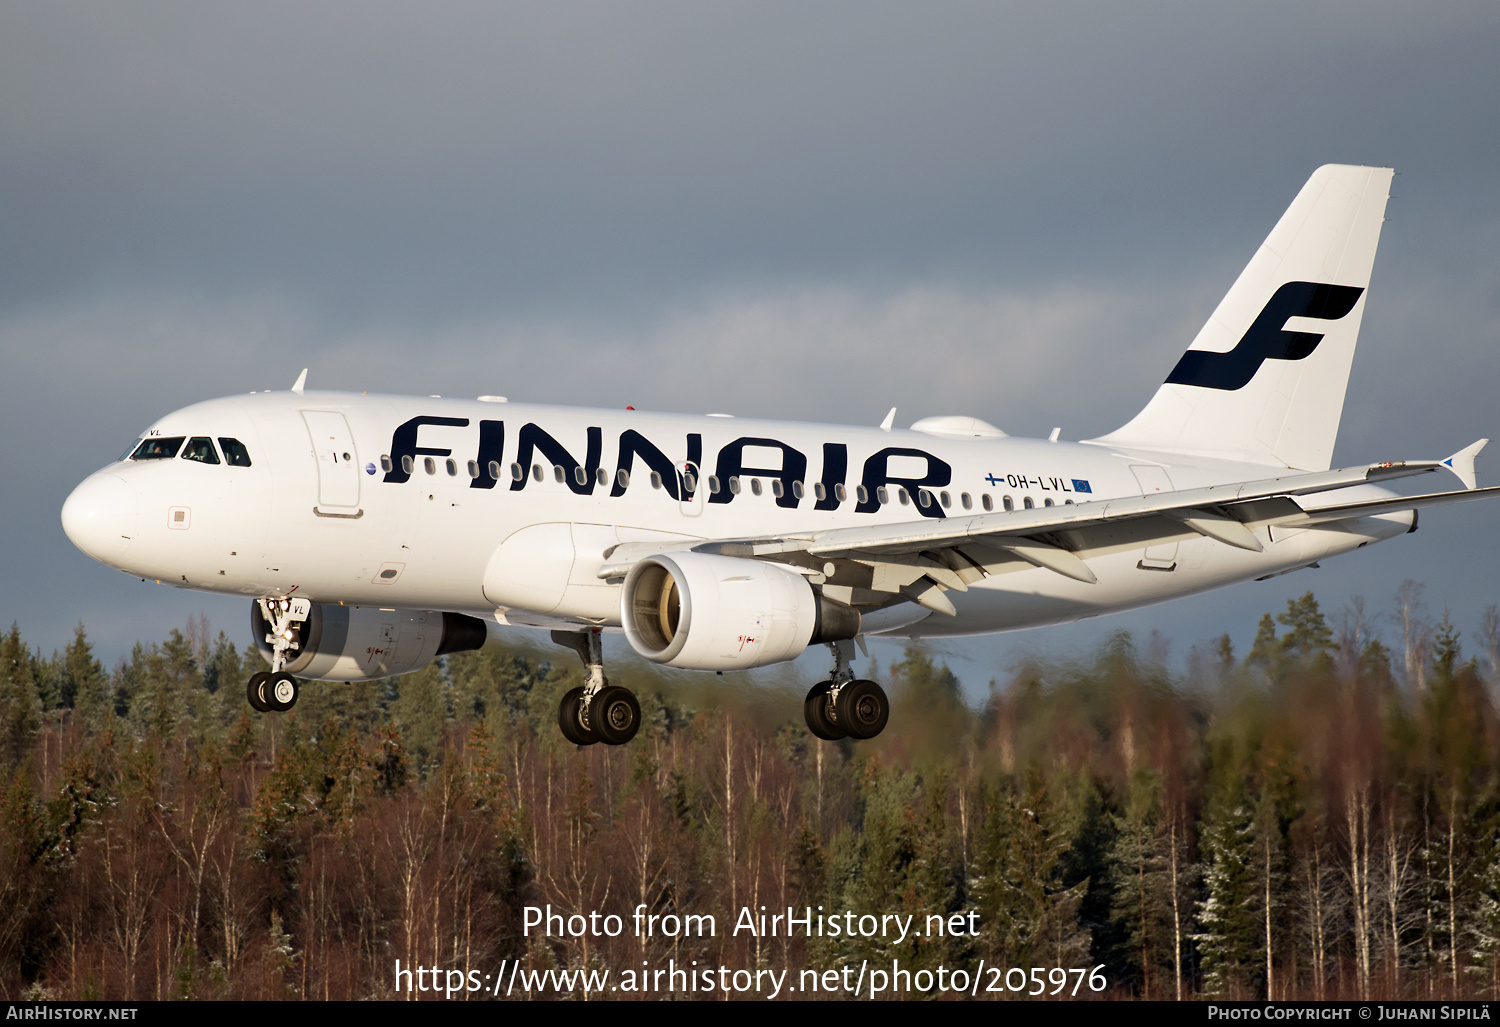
x: 338, y: 463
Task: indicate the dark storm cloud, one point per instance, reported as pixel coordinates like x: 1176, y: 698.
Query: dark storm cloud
x: 796, y: 198
x: 404, y: 158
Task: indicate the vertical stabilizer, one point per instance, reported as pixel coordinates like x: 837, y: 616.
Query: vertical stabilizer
x: 1264, y: 380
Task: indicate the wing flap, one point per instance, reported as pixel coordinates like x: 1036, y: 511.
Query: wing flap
x: 908, y: 558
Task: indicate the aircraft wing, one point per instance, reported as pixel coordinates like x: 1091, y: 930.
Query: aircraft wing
x: 920, y: 560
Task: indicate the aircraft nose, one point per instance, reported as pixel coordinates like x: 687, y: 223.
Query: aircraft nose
x: 100, y: 517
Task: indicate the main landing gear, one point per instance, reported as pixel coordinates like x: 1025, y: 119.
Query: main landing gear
x: 598, y: 711
x: 844, y: 706
x: 276, y: 692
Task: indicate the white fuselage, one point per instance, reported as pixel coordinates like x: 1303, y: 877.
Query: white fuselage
x: 323, y: 510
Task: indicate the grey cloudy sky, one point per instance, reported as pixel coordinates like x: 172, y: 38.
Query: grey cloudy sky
x: 803, y: 210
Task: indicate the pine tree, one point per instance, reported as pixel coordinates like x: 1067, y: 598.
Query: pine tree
x: 1027, y: 917
x: 1309, y: 637
x: 421, y: 711
x: 1266, y: 651
x: 20, y: 705
x: 85, y: 686
x: 1142, y: 898
x: 1229, y: 932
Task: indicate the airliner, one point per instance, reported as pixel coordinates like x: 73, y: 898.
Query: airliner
x: 374, y: 534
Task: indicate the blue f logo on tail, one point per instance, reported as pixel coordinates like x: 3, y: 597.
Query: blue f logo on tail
x: 1267, y: 339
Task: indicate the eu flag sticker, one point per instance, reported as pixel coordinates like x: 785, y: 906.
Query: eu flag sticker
x: 1081, y: 486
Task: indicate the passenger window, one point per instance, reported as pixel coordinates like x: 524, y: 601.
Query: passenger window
x: 1010, y: 504
x: 235, y: 453
x: 1027, y: 503
x: 158, y: 449
x: 989, y: 504
x: 200, y: 449
x: 842, y: 494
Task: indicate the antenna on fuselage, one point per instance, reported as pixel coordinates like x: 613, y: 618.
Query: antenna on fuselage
x: 301, y: 381
x: 890, y: 419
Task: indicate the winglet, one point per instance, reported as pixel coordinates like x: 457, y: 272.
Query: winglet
x: 1462, y: 463
x: 890, y: 419
x: 301, y: 381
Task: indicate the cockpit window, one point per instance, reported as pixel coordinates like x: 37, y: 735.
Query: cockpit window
x: 200, y: 449
x: 235, y: 453
x: 157, y: 449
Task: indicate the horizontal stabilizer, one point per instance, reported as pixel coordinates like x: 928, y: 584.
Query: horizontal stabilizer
x: 1462, y: 463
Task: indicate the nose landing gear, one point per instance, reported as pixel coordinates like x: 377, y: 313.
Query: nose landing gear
x: 272, y: 693
x: 276, y: 692
x: 599, y: 711
x: 844, y: 706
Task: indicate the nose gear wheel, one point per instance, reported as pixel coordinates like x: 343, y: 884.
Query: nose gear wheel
x: 255, y: 692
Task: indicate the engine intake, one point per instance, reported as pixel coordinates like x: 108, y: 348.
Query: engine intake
x: 710, y: 612
x: 361, y: 643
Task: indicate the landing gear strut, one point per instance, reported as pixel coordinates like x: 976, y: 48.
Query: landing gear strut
x: 599, y: 711
x: 276, y: 692
x: 844, y: 706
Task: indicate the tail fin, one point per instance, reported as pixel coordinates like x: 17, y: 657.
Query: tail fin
x: 1264, y: 380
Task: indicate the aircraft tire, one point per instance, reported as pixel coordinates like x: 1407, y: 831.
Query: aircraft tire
x: 615, y: 715
x: 255, y: 692
x: 570, y: 719
x: 280, y: 691
x: 863, y: 709
x: 815, y: 712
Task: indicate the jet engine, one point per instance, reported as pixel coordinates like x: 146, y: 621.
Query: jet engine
x: 710, y: 612
x: 360, y: 643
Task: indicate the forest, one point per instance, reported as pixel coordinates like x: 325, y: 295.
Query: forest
x: 1314, y: 819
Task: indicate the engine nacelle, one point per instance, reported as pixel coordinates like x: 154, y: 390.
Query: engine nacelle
x: 360, y: 643
x: 709, y: 612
